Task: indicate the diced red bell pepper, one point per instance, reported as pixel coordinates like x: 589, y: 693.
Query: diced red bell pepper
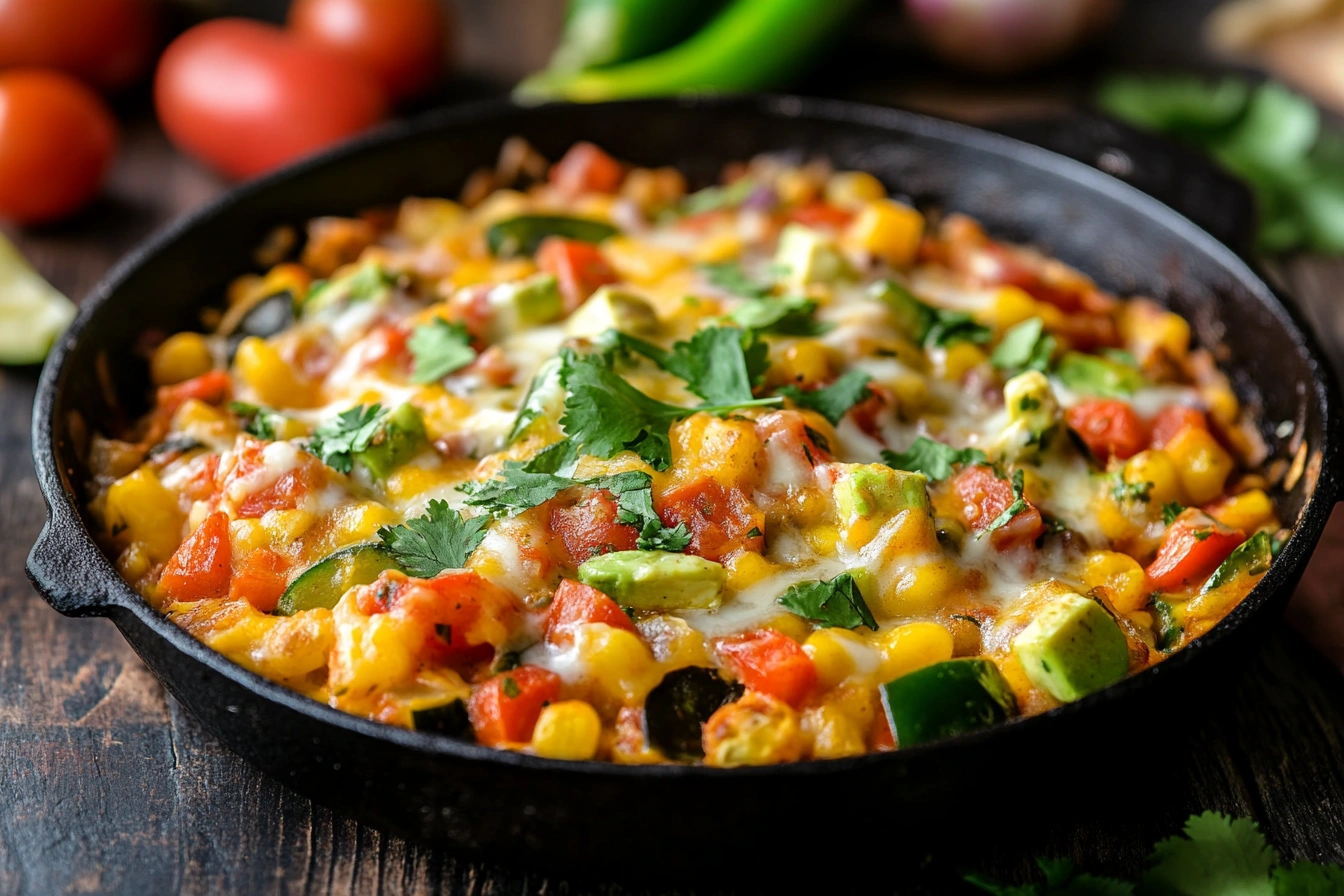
x: 212, y: 388
x: 771, y: 662
x: 586, y: 169
x: 202, y: 564
x: 576, y: 604
x: 260, y: 578
x: 787, y: 435
x: 1172, y: 419
x: 1193, y: 547
x: 984, y: 497
x: 589, y: 528
x: 450, y: 606
x: 721, y: 520
x: 821, y: 215
x: 578, y: 266
x: 504, y: 709
x: 1108, y: 427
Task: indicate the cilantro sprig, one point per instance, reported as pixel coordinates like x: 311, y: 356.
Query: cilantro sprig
x: 336, y: 441
x: 720, y: 364
x: 731, y: 278
x: 439, y: 348
x: 834, y: 401
x: 1019, y: 504
x: 836, y: 602
x: 441, y: 539
x: 1024, y: 347
x: 934, y: 459
x: 784, y: 316
x: 259, y: 421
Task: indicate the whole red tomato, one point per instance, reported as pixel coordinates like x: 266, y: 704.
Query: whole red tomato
x: 400, y: 42
x: 246, y: 97
x: 108, y: 43
x: 56, y: 141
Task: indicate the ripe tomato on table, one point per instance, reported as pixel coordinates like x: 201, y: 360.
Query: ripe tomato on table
x: 107, y: 43
x: 398, y: 42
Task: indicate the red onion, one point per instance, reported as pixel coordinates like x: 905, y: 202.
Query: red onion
x: 1001, y: 36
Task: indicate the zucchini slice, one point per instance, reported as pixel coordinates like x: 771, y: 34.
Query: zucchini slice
x: 522, y: 235
x: 947, y: 699
x: 676, y: 710
x: 323, y: 583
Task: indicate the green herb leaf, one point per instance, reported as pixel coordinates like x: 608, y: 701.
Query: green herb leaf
x: 439, y: 348
x: 1171, y: 511
x: 1019, y: 504
x: 836, y: 603
x: 720, y: 364
x: 261, y: 422
x: 785, y: 316
x: 1024, y: 347
x: 510, y: 687
x: 337, y: 441
x: 524, y: 234
x: 1188, y: 107
x: 934, y: 459
x: 634, y: 505
x: 1308, y: 879
x: 711, y: 199
x: 366, y: 283
x: 441, y: 539
x: 1095, y: 375
x: 951, y: 327
x: 729, y: 277
x: 1129, y: 491
x: 1217, y: 856
x: 835, y: 400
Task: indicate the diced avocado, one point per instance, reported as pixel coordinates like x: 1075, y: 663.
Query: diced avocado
x: 545, y: 397
x: 323, y: 583
x: 866, y: 491
x: 402, y: 434
x: 613, y: 309
x: 810, y: 256
x: 522, y: 235
x: 656, y: 580
x: 1072, y: 648
x: 947, y: 699
x: 525, y: 303
x: 1095, y: 375
x: 367, y: 283
x: 1251, y: 558
x: 447, y: 718
x: 1033, y: 413
x: 911, y: 316
x: 1167, y: 625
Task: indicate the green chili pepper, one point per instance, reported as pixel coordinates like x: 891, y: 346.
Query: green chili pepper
x: 605, y: 32
x: 752, y: 44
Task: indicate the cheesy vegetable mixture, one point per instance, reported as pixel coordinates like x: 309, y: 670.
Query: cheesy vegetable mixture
x: 589, y: 466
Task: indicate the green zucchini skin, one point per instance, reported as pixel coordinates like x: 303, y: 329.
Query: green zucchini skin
x: 1251, y: 557
x: 1168, y: 627
x: 523, y: 234
x: 323, y: 583
x: 947, y: 699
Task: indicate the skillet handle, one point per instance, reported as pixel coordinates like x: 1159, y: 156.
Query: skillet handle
x: 1170, y: 173
x: 61, y: 570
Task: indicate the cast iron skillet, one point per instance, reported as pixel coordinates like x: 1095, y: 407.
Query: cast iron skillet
x: 557, y: 812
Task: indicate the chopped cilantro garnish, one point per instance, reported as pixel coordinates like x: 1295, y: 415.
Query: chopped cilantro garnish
x: 337, y: 441
x: 439, y: 348
x: 836, y: 603
x: 785, y: 316
x: 729, y: 277
x: 1130, y: 491
x: 934, y: 459
x: 441, y: 539
x: 1201, y: 534
x: 951, y: 327
x: 720, y: 364
x: 711, y: 199
x: 511, y: 689
x: 835, y: 400
x: 1019, y: 504
x: 754, y: 532
x: 1171, y: 511
x: 1024, y: 347
x: 261, y: 422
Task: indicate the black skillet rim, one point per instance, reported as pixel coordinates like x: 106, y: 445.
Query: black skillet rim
x: 64, y: 522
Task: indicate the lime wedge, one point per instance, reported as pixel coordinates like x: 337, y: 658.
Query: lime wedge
x: 32, y: 312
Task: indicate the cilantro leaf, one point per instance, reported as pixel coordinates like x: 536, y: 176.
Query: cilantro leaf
x: 336, y: 441
x: 1218, y: 856
x: 634, y: 505
x: 951, y: 327
x: 1130, y: 491
x: 785, y: 316
x: 1062, y: 878
x: 720, y: 364
x: 524, y: 484
x: 1024, y: 347
x: 1019, y: 504
x: 1308, y: 879
x: 439, y: 348
x: 441, y: 539
x: 1171, y: 511
x: 835, y: 400
x: 261, y: 422
x: 711, y: 199
x: 729, y: 277
x: 934, y: 459
x: 836, y: 603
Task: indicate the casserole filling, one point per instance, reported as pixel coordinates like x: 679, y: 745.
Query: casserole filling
x: 590, y: 466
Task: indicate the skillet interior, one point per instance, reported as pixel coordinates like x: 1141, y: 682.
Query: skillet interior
x: 438, y: 789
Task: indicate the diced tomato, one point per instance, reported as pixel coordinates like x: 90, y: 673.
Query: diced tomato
x: 770, y: 662
x: 1108, y: 427
x: 578, y: 266
x: 589, y: 528
x: 212, y: 388
x: 287, y: 492
x: 576, y: 603
x: 868, y: 414
x: 200, y: 568
x: 821, y: 215
x: 789, y: 441
x: 387, y: 343
x: 1172, y: 419
x: 260, y: 579
x: 494, y: 366
x: 721, y: 520
x: 504, y: 709
x: 994, y: 264
x: 201, y: 485
x: 984, y: 496
x: 586, y: 169
x: 1193, y: 547
x: 464, y: 614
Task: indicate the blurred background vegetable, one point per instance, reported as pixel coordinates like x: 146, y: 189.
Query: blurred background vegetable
x: 1005, y: 36
x: 108, y: 43
x: 32, y: 313
x: 605, y: 32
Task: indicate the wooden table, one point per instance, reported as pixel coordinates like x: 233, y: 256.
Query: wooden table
x: 107, y: 786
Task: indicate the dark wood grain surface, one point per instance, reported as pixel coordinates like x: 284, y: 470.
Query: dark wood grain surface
x: 107, y: 786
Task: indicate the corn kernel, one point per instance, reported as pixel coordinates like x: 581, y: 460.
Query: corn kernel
x: 912, y: 393
x: 789, y: 624
x: 912, y: 646
x: 294, y: 279
x: 621, y: 669
x: 274, y: 381
x: 805, y: 361
x: 1121, y: 576
x: 407, y: 482
x: 920, y: 589
x: 909, y: 533
x: 726, y: 450
x: 822, y: 538
x: 1011, y: 306
x: 851, y: 189
x: 1147, y: 328
x: 1247, y: 511
x: 797, y: 186
x: 640, y: 262
x: 569, y: 729
x: 133, y: 563
x: 1156, y: 466
x: 139, y: 509
x: 889, y: 230
x: 1202, y: 463
x: 499, y: 205
x: 471, y: 271
x: 953, y: 362
x: 756, y: 730
x: 1222, y: 403
x: 834, y: 733
x: 287, y: 526
x: 722, y: 246
x: 180, y: 357
x: 746, y: 568
x: 245, y: 536
x: 421, y: 220
x: 829, y: 649
x: 674, y: 643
